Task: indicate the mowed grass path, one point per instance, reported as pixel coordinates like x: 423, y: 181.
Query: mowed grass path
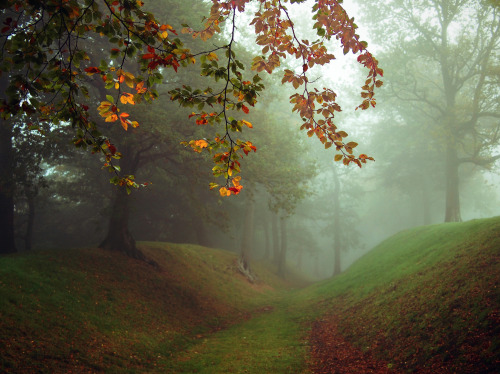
x: 271, y: 341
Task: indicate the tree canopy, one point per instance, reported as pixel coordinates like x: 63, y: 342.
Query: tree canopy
x: 44, y: 54
x: 58, y: 55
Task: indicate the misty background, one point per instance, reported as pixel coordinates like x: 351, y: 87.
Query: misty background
x: 434, y: 136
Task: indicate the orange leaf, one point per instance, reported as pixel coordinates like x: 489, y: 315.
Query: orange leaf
x: 247, y: 123
x: 140, y: 87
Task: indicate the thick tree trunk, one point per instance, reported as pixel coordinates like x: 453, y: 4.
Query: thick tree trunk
x: 337, y: 268
x: 247, y: 241
x: 119, y: 237
x: 7, y: 241
x: 282, y: 256
x: 452, y: 210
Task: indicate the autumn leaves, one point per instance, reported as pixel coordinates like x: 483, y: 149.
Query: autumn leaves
x: 276, y: 35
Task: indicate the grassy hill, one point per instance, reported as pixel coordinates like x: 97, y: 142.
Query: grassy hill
x: 93, y: 311
x: 424, y: 300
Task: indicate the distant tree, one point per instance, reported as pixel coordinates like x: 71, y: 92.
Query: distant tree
x: 31, y: 151
x: 280, y: 178
x: 44, y: 60
x: 344, y: 224
x: 402, y: 133
x: 446, y: 53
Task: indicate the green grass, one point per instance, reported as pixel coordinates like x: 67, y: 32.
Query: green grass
x: 268, y: 343
x: 93, y: 310
x: 423, y: 299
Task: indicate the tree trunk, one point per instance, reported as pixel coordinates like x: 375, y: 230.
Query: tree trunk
x: 6, y: 188
x: 337, y: 268
x: 452, y: 210
x: 276, y: 239
x: 119, y: 237
x: 202, y: 237
x: 282, y: 256
x: 247, y: 240
x: 28, y: 241
x: 267, y: 239
x: 299, y: 258
x: 426, y: 211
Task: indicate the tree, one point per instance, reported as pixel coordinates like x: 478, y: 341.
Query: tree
x: 46, y: 65
x: 449, y: 50
x: 31, y: 150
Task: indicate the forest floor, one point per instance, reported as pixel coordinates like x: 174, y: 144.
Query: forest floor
x: 331, y: 352
x: 425, y: 300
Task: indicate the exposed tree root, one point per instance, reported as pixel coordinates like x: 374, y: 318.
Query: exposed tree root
x: 244, y: 268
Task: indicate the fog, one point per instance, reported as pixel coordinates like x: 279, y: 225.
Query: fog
x: 434, y: 135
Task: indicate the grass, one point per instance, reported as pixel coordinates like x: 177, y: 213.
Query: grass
x: 81, y: 310
x: 424, y: 299
x: 268, y: 343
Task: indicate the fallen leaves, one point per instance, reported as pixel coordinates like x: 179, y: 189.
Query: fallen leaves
x: 332, y: 353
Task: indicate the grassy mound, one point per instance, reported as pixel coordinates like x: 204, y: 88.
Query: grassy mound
x: 94, y: 311
x: 426, y: 299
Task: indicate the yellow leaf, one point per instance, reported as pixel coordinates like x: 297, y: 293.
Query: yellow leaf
x: 201, y: 143
x: 338, y: 157
x: 236, y: 181
x: 129, y: 80
x: 104, y: 105
x: 127, y: 98
x: 212, y: 56
x: 224, y: 192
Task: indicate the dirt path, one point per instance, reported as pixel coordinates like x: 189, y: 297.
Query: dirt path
x: 331, y: 353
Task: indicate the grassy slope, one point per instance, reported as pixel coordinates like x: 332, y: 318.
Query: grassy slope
x: 89, y: 310
x: 425, y: 297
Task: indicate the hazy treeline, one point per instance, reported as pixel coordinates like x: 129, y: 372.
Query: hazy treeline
x: 434, y: 136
